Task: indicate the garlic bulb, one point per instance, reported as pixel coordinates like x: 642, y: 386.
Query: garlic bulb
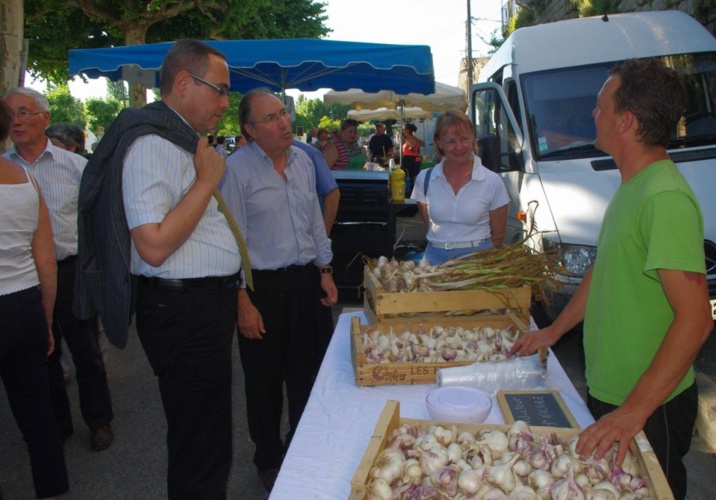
x: 595, y: 470
x: 523, y: 492
x: 563, y: 464
x: 630, y: 465
x: 446, y: 480
x: 567, y: 488
x: 433, y: 459
x: 389, y: 464
x: 606, y: 486
x: 494, y: 494
x: 522, y: 468
x: 497, y: 442
x: 379, y: 489
x: 466, y: 439
x: 443, y: 435
x: 454, y: 452
x: 471, y: 480
x: 501, y: 475
x: 412, y: 473
x: 541, y: 481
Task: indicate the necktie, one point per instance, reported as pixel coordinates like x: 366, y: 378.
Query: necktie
x: 243, y: 251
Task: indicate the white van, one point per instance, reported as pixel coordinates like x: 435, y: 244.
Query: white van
x: 532, y: 110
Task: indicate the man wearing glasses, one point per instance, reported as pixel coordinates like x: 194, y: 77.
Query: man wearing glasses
x: 270, y: 187
x: 184, y: 259
x: 58, y: 173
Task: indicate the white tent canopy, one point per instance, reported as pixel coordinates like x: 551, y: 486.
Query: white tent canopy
x: 445, y: 97
x: 366, y: 115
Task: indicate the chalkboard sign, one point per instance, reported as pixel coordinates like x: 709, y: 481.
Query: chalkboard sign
x: 538, y: 408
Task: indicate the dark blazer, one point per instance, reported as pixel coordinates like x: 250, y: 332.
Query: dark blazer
x: 104, y: 283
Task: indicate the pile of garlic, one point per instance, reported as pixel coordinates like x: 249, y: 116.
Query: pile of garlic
x: 402, y: 276
x: 492, y: 465
x: 437, y: 345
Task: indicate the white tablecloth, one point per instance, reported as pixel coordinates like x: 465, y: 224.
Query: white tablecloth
x: 340, y: 417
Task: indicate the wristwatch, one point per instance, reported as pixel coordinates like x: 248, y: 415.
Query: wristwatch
x: 326, y: 270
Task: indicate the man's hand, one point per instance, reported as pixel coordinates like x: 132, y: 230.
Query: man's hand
x: 328, y: 286
x: 531, y: 342
x: 209, y: 164
x: 619, y: 426
x: 250, y: 323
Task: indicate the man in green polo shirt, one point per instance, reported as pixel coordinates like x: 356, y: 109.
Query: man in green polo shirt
x: 645, y: 303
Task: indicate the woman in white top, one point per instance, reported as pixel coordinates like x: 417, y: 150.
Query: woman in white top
x: 464, y: 208
x: 27, y: 296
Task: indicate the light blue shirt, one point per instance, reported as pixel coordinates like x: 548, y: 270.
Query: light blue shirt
x: 325, y: 182
x: 157, y: 175
x: 58, y: 173
x: 280, y: 220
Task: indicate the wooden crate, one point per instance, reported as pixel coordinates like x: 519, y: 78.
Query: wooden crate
x: 383, y: 307
x: 369, y: 374
x: 390, y: 420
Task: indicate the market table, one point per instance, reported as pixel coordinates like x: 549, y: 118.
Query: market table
x: 340, y: 416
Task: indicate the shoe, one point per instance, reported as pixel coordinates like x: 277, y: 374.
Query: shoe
x: 101, y: 437
x: 268, y: 478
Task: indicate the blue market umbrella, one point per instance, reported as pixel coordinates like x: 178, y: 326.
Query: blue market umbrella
x: 302, y: 63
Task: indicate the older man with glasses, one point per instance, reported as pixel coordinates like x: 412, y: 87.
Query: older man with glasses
x: 160, y: 194
x: 270, y: 187
x: 59, y: 173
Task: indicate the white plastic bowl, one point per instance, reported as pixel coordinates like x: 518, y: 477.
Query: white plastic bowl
x: 460, y: 404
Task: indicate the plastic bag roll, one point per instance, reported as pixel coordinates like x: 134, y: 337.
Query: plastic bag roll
x: 520, y: 373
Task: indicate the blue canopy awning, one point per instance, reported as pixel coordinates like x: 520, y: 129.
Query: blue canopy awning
x: 300, y: 63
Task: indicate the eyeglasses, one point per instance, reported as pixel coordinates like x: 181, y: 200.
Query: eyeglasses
x: 272, y: 118
x: 220, y: 91
x: 25, y: 114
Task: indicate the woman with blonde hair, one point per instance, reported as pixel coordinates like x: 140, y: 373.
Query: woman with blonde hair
x: 463, y: 204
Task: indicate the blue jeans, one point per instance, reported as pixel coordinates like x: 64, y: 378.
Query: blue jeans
x: 437, y: 255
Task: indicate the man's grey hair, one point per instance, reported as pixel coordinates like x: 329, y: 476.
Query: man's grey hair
x: 40, y: 100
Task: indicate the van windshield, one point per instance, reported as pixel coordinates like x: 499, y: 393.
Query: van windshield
x: 559, y: 105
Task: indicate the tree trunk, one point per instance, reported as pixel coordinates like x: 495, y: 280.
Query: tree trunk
x: 136, y: 35
x: 11, y: 19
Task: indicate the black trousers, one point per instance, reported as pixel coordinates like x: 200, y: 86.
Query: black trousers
x: 23, y: 367
x: 669, y: 431
x: 286, y: 301
x: 81, y: 338
x: 187, y: 336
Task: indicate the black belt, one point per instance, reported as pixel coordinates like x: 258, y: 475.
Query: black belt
x: 291, y: 268
x: 208, y: 283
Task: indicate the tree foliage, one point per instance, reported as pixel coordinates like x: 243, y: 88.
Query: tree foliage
x: 229, y: 123
x: 63, y: 107
x: 117, y: 91
x: 55, y: 26
x: 100, y: 113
